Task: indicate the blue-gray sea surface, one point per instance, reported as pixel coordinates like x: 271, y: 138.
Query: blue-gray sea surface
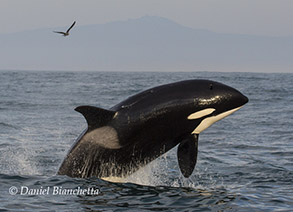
x: 245, y: 161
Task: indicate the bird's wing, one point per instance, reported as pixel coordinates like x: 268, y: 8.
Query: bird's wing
x: 70, y: 27
x: 63, y: 33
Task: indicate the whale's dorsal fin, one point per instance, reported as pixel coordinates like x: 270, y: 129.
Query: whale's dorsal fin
x: 95, y: 117
x: 187, y: 154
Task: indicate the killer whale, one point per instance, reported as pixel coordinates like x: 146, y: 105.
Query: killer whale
x: 118, y: 141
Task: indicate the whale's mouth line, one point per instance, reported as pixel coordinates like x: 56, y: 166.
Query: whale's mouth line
x: 205, y: 123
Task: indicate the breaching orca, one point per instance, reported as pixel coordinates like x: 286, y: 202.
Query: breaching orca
x: 138, y: 130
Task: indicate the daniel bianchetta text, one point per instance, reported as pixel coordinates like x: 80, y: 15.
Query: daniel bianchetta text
x: 53, y: 190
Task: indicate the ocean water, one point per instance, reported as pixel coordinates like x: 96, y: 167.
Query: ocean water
x: 245, y: 161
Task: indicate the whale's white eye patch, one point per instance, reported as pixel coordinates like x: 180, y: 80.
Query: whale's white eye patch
x: 204, y: 124
x: 201, y: 113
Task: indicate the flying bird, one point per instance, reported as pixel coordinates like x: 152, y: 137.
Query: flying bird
x: 67, y: 32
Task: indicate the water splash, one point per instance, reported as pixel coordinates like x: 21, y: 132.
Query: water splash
x: 164, y: 171
x: 18, y: 160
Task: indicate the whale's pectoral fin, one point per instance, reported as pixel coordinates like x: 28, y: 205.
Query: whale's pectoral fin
x: 95, y: 117
x: 187, y: 154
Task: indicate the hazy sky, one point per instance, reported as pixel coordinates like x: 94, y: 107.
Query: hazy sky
x: 263, y: 17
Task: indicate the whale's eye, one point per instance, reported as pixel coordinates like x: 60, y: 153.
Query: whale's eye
x: 211, y: 86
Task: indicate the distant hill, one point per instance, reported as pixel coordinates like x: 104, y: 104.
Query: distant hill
x: 145, y: 44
